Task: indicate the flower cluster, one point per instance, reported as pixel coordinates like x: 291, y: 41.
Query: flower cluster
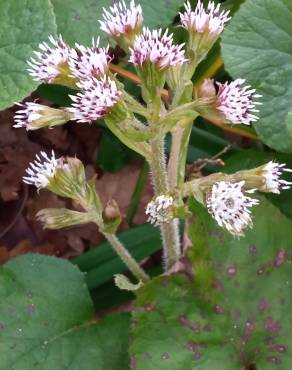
x: 152, y: 52
x: 120, y: 20
x: 41, y: 170
x: 229, y: 206
x: 95, y: 99
x: 236, y: 102
x: 211, y: 21
x: 156, y: 47
x: 159, y: 209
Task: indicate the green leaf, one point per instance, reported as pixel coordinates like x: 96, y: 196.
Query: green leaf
x: 257, y: 46
x: 160, y: 13
x: 77, y: 20
x: 244, y: 320
x: 47, y: 320
x: 118, y: 156
x: 24, y: 24
x: 57, y: 94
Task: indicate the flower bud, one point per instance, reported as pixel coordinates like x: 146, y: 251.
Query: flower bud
x: 204, y: 28
x: 58, y: 218
x: 266, y: 178
x: 207, y: 89
x: 111, y: 217
x: 34, y: 116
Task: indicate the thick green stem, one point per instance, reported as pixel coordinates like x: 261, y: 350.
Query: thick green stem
x: 125, y: 256
x: 178, y: 153
x: 169, y: 230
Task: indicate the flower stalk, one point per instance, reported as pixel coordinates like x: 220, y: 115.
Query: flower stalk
x: 125, y: 256
x: 169, y: 230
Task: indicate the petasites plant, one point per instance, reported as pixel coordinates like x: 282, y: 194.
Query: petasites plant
x: 223, y: 299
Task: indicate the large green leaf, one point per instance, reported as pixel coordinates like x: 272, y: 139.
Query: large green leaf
x: 257, y: 45
x: 23, y: 25
x: 242, y: 321
x: 47, y: 320
x: 77, y: 20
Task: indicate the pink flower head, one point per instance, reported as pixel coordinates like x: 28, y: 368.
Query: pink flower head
x: 87, y: 62
x: 45, y: 66
x: 120, y: 20
x: 41, y: 170
x: 237, y: 103
x: 201, y: 20
x: 156, y: 47
x: 29, y: 113
x: 96, y: 98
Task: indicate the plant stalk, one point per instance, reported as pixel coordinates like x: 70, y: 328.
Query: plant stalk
x: 178, y: 153
x: 169, y: 230
x: 125, y: 256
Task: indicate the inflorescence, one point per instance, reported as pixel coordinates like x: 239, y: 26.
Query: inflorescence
x: 88, y: 70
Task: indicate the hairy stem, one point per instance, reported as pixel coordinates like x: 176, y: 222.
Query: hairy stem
x: 125, y: 256
x: 169, y: 230
x: 178, y: 153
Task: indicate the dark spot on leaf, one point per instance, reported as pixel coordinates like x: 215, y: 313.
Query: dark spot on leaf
x: 253, y: 250
x: 272, y: 326
x: 77, y: 17
x: 29, y: 295
x: 165, y: 356
x: 207, y: 328
x: 192, y: 346
x: 197, y: 356
x: 280, y: 257
x: 218, y: 309
x: 1, y: 326
x: 149, y: 307
x: 218, y: 285
x: 263, y: 306
x: 249, y: 328
x: 236, y: 284
x: 269, y: 341
x: 236, y: 313
x: 30, y: 309
x: 133, y: 363
x: 274, y: 360
x: 278, y: 348
x: 187, y: 323
x: 232, y: 270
